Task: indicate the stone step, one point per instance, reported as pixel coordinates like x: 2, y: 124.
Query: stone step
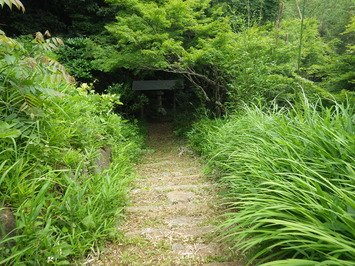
x: 191, y: 214
x: 175, y: 232
x: 169, y: 172
x: 185, y: 221
x: 171, y: 187
x: 165, y: 208
x: 156, y: 197
x: 170, y: 180
x: 196, y: 249
x: 168, y: 175
x: 168, y: 157
x: 163, y: 162
x: 147, y: 184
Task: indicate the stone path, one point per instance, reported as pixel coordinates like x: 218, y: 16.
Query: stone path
x: 173, y: 212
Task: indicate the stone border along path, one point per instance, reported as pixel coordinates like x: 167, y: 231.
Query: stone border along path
x: 173, y: 212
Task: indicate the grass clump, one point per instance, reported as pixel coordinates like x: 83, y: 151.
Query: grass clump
x: 291, y: 177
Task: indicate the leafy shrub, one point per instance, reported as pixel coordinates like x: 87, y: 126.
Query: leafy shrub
x: 76, y: 58
x: 290, y: 175
x: 341, y: 68
x: 51, y: 135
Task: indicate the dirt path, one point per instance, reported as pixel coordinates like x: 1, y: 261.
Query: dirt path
x: 173, y: 210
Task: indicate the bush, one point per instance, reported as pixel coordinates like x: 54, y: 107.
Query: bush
x: 51, y: 137
x: 76, y: 58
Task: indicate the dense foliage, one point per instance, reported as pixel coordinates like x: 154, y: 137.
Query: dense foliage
x: 290, y: 178
x: 229, y: 52
x: 288, y: 166
x: 229, y: 63
x: 57, y: 200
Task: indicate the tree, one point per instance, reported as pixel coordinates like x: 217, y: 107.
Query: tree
x: 341, y: 70
x: 333, y: 16
x: 253, y: 11
x: 183, y: 37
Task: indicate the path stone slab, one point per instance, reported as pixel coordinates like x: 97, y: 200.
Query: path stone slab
x: 198, y: 249
x: 198, y: 230
x: 143, y: 208
x: 167, y: 171
x: 144, y: 216
x: 170, y: 162
x: 184, y: 221
x: 181, y: 233
x: 170, y: 187
x: 180, y: 196
x: 178, y: 180
x: 178, y: 247
x: 168, y: 208
x: 181, y: 187
x: 171, y: 182
x: 151, y: 232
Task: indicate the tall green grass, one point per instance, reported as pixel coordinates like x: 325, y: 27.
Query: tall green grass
x: 291, y: 179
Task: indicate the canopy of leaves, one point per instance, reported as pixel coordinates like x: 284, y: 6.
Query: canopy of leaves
x: 196, y: 39
x: 162, y: 35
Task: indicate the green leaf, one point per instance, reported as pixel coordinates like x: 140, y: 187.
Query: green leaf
x: 7, y: 132
x: 88, y: 221
x: 9, y: 59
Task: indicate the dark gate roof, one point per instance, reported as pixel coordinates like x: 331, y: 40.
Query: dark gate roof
x: 147, y: 85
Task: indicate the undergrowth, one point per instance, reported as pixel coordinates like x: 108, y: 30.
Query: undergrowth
x: 57, y: 201
x: 291, y: 177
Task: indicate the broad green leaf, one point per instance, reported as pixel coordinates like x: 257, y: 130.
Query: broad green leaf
x: 9, y: 59
x: 7, y: 132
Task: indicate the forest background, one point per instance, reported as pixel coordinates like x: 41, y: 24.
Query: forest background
x: 67, y: 66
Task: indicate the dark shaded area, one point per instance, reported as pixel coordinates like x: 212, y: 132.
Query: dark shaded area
x: 157, y: 105
x: 60, y: 17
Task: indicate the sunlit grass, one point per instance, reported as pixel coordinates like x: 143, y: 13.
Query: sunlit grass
x: 291, y: 178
